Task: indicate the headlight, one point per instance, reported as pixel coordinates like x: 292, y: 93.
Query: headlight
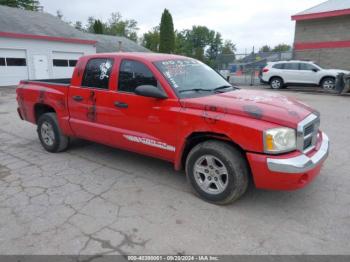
x: 279, y: 140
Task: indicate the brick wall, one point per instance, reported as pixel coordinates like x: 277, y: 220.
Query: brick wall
x: 324, y: 30
x: 338, y: 58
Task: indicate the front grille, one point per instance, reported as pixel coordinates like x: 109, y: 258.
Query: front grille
x: 307, y: 133
x: 308, y: 130
x: 307, y: 142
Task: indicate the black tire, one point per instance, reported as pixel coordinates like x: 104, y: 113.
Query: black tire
x: 59, y: 141
x: 276, y: 83
x: 328, y: 83
x: 235, y: 164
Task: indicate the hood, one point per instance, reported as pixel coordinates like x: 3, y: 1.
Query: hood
x: 267, y: 106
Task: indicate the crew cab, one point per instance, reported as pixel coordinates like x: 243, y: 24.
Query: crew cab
x: 295, y: 72
x: 180, y: 110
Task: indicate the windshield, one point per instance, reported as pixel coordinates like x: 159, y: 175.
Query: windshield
x: 190, y: 77
x: 318, y: 65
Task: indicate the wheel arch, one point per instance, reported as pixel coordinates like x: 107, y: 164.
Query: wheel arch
x: 40, y: 109
x: 198, y: 137
x: 275, y: 76
x: 324, y: 77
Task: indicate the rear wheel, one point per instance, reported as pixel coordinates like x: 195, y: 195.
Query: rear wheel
x: 276, y: 83
x: 50, y: 134
x: 328, y: 83
x: 217, y: 172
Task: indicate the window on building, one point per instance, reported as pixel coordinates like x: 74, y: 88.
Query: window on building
x: 278, y: 66
x: 306, y: 66
x: 60, y: 62
x: 72, y: 63
x: 291, y: 66
x: 133, y: 74
x: 2, y: 61
x: 16, y: 61
x: 97, y: 73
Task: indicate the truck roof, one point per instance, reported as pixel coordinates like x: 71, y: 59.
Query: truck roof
x: 152, y: 57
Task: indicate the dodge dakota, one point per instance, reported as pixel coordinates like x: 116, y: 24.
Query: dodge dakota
x: 180, y: 110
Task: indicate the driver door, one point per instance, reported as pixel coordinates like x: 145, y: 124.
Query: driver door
x: 144, y: 124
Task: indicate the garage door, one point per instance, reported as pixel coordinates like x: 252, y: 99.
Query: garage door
x: 13, y: 66
x: 63, y: 63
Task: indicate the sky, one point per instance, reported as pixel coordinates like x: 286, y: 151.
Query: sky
x: 246, y: 23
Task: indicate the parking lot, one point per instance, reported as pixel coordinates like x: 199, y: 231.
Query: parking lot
x: 94, y: 199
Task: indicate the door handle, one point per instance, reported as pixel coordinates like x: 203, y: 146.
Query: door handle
x: 121, y: 104
x: 78, y: 98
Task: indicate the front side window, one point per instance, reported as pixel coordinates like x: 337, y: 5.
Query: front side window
x: 291, y: 66
x: 16, y: 61
x: 133, y: 74
x: 97, y: 73
x: 305, y: 66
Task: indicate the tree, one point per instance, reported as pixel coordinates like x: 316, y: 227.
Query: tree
x: 90, y: 23
x: 32, y: 5
x: 59, y: 14
x: 282, y: 48
x: 215, y: 46
x: 166, y: 34
x: 98, y: 27
x: 228, y: 48
x: 204, y: 44
x: 265, y: 49
x: 227, y: 54
x: 78, y: 25
x: 150, y: 40
x: 117, y: 26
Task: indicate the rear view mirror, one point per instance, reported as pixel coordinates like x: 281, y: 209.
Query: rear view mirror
x: 150, y: 91
x: 315, y: 70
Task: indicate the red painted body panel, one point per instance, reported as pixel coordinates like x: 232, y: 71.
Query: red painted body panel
x: 265, y: 179
x: 160, y: 128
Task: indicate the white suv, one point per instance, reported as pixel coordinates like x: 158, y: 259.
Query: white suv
x: 283, y: 73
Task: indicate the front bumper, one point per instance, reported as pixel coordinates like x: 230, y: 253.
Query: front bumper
x: 301, y: 163
x: 289, y: 171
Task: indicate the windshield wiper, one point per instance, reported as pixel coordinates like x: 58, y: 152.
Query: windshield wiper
x: 220, y: 88
x: 195, y: 90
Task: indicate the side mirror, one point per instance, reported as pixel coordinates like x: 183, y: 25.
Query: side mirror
x: 315, y: 70
x: 150, y: 91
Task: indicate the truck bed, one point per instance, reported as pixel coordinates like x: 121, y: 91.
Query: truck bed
x: 56, y: 81
x: 32, y: 95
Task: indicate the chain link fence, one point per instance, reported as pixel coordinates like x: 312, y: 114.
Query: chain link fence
x: 245, y: 69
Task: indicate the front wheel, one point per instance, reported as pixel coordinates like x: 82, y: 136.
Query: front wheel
x: 328, y: 84
x: 50, y: 134
x: 217, y: 172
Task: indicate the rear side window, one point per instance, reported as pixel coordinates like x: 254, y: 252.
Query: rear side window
x: 16, y: 61
x: 291, y: 66
x: 97, y: 73
x: 2, y: 61
x: 278, y: 66
x: 133, y: 74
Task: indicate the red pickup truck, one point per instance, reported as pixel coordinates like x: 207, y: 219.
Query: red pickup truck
x: 180, y: 110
